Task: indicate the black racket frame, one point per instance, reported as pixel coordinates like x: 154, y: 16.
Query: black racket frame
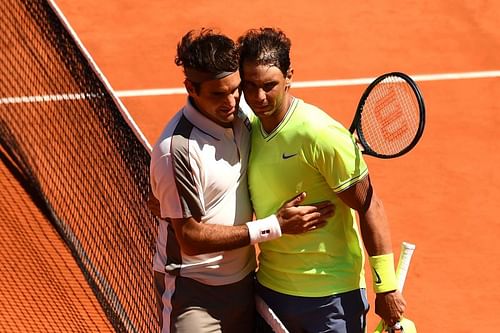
x: 356, y: 123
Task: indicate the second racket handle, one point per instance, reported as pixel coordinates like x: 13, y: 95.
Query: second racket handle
x: 404, y: 263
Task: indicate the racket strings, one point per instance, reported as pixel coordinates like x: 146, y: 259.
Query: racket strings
x: 390, y: 117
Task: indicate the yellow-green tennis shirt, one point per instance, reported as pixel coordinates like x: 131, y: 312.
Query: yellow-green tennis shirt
x: 309, y: 151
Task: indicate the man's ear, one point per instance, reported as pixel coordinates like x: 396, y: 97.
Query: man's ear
x: 289, y: 75
x: 189, y: 87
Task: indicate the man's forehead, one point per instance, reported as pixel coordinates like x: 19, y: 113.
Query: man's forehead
x: 226, y: 84
x: 268, y: 70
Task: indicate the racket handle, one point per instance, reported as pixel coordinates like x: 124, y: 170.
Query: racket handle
x: 404, y: 263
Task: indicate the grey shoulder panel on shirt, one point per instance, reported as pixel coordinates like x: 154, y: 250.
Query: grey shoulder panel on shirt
x: 188, y: 193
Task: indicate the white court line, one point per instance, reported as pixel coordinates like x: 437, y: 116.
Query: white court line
x: 325, y: 83
x: 150, y: 92
x: 300, y: 84
x: 418, y: 78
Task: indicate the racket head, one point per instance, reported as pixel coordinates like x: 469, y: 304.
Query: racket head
x: 390, y: 117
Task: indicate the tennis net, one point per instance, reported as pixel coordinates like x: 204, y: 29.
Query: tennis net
x: 74, y: 146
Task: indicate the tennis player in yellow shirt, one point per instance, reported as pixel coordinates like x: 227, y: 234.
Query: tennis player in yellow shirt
x: 314, y: 281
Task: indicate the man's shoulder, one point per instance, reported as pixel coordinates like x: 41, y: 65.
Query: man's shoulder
x: 162, y: 144
x: 315, y: 118
x: 313, y: 112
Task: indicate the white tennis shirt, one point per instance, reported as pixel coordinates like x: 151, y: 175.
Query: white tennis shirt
x: 198, y: 169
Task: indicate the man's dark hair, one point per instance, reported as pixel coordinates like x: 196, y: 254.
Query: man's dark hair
x: 265, y: 46
x: 207, y: 51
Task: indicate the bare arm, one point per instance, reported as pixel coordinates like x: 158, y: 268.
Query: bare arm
x: 198, y: 238
x: 372, y: 218
x: 375, y: 231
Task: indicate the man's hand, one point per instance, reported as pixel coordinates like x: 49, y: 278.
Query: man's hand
x: 390, y: 306
x: 295, y: 219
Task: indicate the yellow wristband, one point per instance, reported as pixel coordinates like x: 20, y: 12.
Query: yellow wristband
x: 384, y: 276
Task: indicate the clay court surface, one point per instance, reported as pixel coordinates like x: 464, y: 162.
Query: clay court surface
x: 442, y: 196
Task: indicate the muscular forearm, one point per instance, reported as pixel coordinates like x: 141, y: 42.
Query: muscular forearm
x: 389, y: 303
x: 197, y: 238
x: 377, y: 239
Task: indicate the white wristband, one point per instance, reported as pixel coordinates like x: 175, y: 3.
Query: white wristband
x: 264, y: 229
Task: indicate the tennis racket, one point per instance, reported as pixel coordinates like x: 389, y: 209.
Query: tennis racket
x: 405, y: 325
x: 390, y: 117
x: 269, y: 316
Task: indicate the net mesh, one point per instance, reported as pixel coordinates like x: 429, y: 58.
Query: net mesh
x: 70, y: 146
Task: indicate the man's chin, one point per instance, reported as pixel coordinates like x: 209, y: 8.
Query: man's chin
x: 227, y: 117
x: 262, y: 113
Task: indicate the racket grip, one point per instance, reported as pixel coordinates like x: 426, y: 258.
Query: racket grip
x: 407, y: 250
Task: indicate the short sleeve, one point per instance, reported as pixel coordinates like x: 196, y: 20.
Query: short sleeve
x: 174, y: 185
x: 336, y: 155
